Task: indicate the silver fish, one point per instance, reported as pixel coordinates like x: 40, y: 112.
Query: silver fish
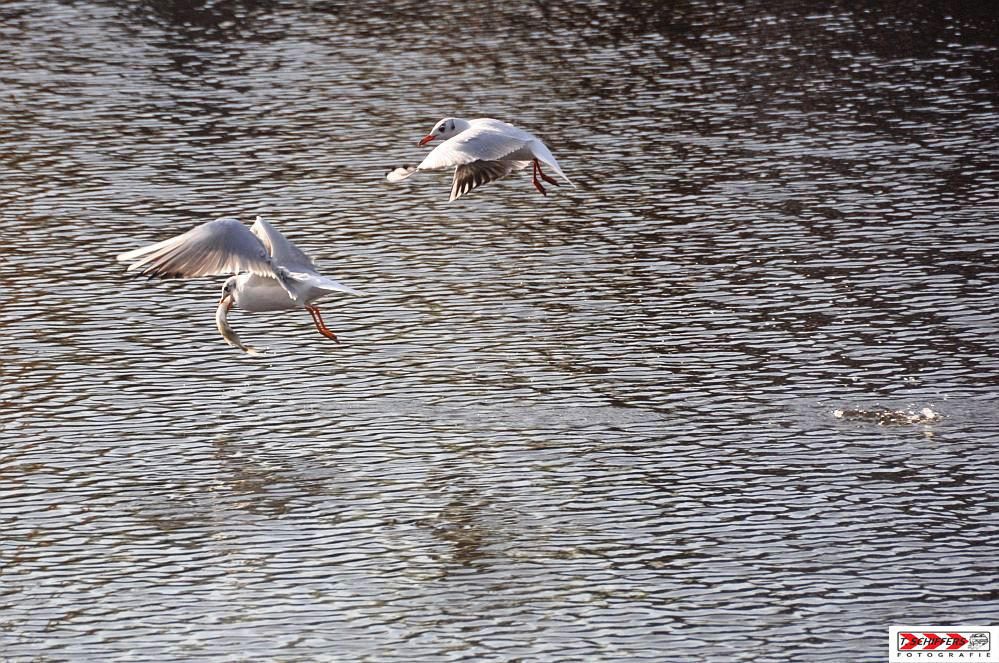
x: 228, y: 333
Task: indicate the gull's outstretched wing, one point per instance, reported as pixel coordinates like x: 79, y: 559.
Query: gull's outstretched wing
x: 224, y: 246
x: 282, y: 251
x: 470, y: 175
x: 476, y: 144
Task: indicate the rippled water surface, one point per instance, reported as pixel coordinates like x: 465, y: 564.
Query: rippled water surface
x: 676, y: 413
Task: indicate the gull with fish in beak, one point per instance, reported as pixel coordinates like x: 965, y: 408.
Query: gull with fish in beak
x: 271, y: 273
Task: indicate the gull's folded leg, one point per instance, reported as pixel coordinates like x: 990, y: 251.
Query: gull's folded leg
x: 320, y: 325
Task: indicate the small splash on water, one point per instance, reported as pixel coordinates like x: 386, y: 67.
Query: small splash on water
x: 888, y: 417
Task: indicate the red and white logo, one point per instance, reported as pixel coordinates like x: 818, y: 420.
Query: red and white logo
x: 945, y: 641
x: 948, y: 643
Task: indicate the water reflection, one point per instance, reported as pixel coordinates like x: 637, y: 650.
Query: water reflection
x: 199, y: 22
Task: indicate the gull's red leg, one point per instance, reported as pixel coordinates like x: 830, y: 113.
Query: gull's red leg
x: 534, y: 178
x: 546, y: 178
x: 320, y: 325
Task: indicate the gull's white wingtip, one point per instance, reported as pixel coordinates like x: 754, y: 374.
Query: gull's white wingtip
x: 400, y: 173
x: 129, y: 256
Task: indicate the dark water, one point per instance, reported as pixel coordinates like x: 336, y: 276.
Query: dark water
x: 678, y: 413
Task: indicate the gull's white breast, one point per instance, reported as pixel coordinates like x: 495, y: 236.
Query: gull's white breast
x: 262, y: 293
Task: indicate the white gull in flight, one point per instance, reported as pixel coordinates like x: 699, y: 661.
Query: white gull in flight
x: 271, y: 273
x: 481, y: 151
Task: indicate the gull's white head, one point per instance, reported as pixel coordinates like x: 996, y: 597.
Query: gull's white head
x: 229, y: 292
x: 449, y: 126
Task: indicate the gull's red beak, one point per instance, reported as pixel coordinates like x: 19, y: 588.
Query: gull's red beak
x: 427, y: 139
x: 230, y: 303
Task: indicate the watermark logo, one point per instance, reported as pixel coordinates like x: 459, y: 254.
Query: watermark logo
x: 943, y: 643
